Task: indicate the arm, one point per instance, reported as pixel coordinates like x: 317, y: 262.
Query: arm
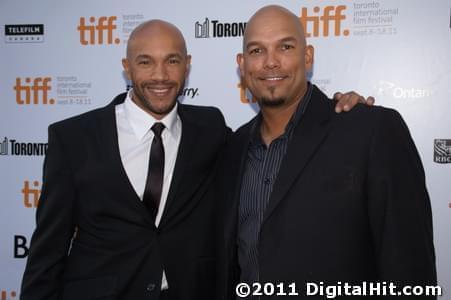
x: 399, y: 207
x: 54, y: 226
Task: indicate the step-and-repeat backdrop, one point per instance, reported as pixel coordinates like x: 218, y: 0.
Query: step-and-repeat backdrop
x: 62, y: 58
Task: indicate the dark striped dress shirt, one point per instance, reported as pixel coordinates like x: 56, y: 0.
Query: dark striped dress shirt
x: 260, y: 172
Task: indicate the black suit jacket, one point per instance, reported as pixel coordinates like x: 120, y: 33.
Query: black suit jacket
x: 349, y: 204
x: 116, y: 251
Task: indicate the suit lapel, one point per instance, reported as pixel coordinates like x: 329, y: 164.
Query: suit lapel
x: 107, y: 137
x: 307, y: 137
x: 187, y: 150
x: 234, y: 173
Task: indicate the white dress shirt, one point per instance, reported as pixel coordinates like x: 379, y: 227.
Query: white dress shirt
x: 135, y: 138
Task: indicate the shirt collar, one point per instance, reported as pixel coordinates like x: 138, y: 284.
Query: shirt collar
x: 294, y: 120
x: 141, y: 121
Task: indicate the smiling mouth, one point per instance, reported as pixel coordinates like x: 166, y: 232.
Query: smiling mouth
x: 159, y: 91
x: 272, y: 78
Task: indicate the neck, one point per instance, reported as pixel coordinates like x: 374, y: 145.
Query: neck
x: 275, y: 120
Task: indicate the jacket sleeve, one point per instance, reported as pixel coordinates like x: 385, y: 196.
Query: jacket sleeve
x: 51, y: 239
x: 399, y: 208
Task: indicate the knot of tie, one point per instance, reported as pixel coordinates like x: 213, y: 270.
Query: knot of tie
x: 157, y: 128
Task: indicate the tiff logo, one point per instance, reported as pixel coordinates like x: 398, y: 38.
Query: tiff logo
x: 244, y: 94
x: 318, y: 23
x: 31, y: 194
x: 39, y: 86
x: 442, y: 151
x: 4, y: 147
x: 97, y: 30
x: 202, y: 30
x: 5, y: 295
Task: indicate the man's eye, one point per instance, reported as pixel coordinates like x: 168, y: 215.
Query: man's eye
x: 287, y: 47
x: 143, y: 62
x: 255, y: 51
x: 174, y: 61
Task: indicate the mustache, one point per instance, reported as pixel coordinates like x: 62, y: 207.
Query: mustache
x: 158, y: 83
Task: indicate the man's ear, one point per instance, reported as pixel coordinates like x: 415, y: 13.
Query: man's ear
x: 188, y: 65
x: 309, y: 54
x: 240, y: 62
x: 126, y: 67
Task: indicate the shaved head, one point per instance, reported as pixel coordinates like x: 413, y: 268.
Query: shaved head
x: 269, y: 12
x: 275, y: 58
x: 155, y: 28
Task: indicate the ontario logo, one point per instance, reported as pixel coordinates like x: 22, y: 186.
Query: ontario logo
x: 442, y: 151
x: 216, y: 29
x: 387, y: 88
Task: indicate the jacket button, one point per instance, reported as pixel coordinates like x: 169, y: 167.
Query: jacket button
x: 150, y: 287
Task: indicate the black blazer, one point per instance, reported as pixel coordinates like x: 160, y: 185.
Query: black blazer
x: 349, y: 204
x: 116, y: 251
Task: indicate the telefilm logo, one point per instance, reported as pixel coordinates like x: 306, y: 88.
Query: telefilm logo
x: 216, y: 29
x: 98, y: 31
x: 14, y: 147
x: 324, y: 21
x: 33, y: 90
x: 442, y: 151
x: 24, y: 33
x: 8, y: 295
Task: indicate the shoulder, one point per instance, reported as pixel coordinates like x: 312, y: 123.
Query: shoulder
x: 203, y: 115
x: 370, y: 116
x: 246, y: 127
x: 89, y: 118
x: 77, y: 122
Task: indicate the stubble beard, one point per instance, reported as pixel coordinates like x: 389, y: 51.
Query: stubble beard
x: 139, y: 98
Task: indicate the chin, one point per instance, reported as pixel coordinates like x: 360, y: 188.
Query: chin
x: 272, y: 102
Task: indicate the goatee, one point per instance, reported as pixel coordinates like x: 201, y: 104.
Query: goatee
x: 272, y: 102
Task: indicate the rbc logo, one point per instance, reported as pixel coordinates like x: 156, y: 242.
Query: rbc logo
x: 318, y: 23
x: 97, y: 30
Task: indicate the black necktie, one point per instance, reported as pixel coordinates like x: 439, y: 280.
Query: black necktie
x: 155, y: 172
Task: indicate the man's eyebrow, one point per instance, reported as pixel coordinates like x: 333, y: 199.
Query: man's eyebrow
x: 143, y: 56
x: 282, y: 40
x: 170, y: 55
x: 176, y: 55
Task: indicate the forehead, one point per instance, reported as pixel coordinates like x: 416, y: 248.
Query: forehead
x: 156, y: 42
x: 272, y: 28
